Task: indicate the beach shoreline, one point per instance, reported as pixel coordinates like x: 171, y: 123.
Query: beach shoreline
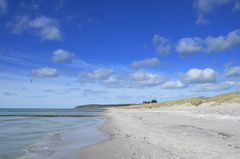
x: 38, y: 133
x: 79, y: 138
x: 187, y: 132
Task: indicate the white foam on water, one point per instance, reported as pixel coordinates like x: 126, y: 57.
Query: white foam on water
x: 67, y: 144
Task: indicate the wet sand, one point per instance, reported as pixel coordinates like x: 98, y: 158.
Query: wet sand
x: 177, y: 132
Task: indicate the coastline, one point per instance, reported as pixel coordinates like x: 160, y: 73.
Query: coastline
x: 66, y: 144
x: 109, y: 147
x: 48, y: 133
x: 78, y: 139
x: 170, y: 132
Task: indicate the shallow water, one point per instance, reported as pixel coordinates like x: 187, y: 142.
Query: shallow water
x: 46, y: 133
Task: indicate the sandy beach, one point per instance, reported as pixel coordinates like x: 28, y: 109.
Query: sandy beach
x: 176, y: 132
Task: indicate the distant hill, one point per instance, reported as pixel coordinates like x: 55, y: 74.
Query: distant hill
x: 233, y: 97
x: 99, y: 107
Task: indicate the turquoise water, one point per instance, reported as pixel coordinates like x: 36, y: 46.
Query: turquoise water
x: 39, y: 133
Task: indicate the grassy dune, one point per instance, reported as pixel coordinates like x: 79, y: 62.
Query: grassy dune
x: 215, y: 100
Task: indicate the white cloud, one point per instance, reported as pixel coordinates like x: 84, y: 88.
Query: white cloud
x: 209, y: 87
x: 44, y: 27
x: 98, y: 74
x: 45, y: 72
x: 101, y: 73
x: 64, y: 56
x: 200, y: 76
x: 189, y: 45
x: 173, y: 84
x: 105, y: 77
x: 232, y: 71
x: 3, y: 6
x: 210, y: 44
x: 47, y: 28
x: 206, y: 7
x: 237, y: 6
x: 221, y: 43
x: 146, y: 62
x: 162, y: 45
x: 147, y: 79
x: 113, y: 81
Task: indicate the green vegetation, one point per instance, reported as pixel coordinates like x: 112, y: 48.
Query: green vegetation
x: 152, y: 101
x: 223, y: 98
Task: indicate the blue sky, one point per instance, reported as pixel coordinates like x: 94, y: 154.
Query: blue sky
x: 63, y: 53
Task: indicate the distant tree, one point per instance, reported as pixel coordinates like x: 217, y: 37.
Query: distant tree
x: 154, y: 101
x: 146, y: 102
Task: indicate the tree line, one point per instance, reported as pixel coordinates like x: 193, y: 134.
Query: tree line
x: 151, y: 101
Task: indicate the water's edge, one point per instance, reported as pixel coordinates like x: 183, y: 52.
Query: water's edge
x: 48, y: 134
x: 76, y: 140
x: 70, y: 144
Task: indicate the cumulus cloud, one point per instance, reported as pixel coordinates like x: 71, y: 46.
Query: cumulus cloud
x: 146, y: 62
x: 147, y: 79
x: 3, y: 6
x: 194, y: 75
x: 112, y: 81
x: 189, y: 45
x: 173, y: 84
x: 233, y: 71
x: 211, y: 87
x: 105, y: 77
x: 206, y: 7
x: 45, y: 28
x: 162, y: 45
x: 98, y: 74
x: 210, y: 44
x: 101, y: 73
x: 64, y: 56
x: 221, y: 43
x: 45, y: 72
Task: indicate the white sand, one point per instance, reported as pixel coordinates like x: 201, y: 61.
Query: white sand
x: 178, y: 132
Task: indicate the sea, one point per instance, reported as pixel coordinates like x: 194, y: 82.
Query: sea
x: 48, y: 133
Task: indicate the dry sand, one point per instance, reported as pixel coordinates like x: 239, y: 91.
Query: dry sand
x: 177, y: 132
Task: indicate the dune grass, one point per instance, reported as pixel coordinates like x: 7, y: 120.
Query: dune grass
x: 233, y: 97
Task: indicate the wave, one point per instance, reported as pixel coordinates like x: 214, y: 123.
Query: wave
x: 43, y: 149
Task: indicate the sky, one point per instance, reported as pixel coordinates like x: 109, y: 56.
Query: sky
x: 65, y: 53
